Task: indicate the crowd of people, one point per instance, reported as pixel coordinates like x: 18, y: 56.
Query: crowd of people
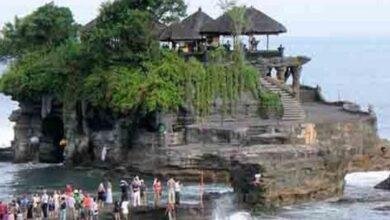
x: 68, y: 204
x: 134, y: 194
x: 72, y: 203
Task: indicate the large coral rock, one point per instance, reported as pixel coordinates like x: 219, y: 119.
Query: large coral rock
x: 385, y: 184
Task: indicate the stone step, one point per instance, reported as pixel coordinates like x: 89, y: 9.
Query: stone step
x: 293, y: 117
x: 291, y: 107
x: 294, y: 112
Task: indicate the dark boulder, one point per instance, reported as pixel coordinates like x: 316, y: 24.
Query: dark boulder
x: 6, y: 154
x: 385, y: 184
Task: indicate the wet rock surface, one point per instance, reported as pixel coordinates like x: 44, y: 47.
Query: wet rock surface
x: 6, y: 154
x: 385, y: 184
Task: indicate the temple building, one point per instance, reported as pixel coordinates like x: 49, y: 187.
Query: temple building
x: 186, y: 34
x: 257, y: 23
x: 199, y: 32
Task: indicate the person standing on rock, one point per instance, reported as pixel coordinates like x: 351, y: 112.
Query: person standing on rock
x: 37, y: 207
x: 77, y: 195
x: 87, y: 206
x: 24, y: 205
x: 30, y: 213
x: 45, y: 204
x: 51, y: 207
x: 178, y: 187
x: 108, y: 187
x: 71, y: 206
x: 125, y: 190
x: 136, y: 186
x: 157, y: 189
x: 57, y: 202
x: 63, y: 208
x: 101, y: 195
x: 171, y: 191
x: 143, y: 188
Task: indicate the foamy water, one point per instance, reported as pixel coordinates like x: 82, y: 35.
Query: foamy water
x: 358, y: 203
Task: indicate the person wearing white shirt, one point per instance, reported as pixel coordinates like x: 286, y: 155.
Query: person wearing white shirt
x: 45, y: 204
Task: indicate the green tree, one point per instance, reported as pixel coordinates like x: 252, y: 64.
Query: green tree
x: 39, y: 72
x: 121, y: 37
x: 124, y: 30
x: 165, y: 11
x: 46, y: 27
x: 168, y: 11
x: 159, y: 86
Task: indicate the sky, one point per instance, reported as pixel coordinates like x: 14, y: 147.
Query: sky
x: 322, y: 18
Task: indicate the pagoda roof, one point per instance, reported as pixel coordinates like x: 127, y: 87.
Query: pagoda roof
x: 188, y: 29
x: 257, y: 23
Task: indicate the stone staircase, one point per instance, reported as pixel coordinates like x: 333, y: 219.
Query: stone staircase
x: 292, y: 108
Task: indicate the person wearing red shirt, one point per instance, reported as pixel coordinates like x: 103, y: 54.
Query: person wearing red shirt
x: 68, y: 190
x: 88, y: 205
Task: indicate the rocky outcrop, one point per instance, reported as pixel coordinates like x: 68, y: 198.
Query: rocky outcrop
x: 6, y: 154
x: 299, y: 161
x: 385, y: 184
x: 27, y: 124
x: 302, y: 156
x: 303, y: 169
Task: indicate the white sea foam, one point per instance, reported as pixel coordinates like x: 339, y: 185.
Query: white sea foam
x: 366, y: 179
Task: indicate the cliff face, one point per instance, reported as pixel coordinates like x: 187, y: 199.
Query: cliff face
x: 310, y: 165
x: 298, y: 160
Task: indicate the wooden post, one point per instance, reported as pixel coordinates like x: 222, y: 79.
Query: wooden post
x: 267, y: 42
x: 250, y: 42
x: 201, y: 190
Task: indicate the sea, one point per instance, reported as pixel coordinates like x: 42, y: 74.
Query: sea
x: 352, y: 69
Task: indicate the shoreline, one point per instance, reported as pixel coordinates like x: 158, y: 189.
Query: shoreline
x: 352, y: 180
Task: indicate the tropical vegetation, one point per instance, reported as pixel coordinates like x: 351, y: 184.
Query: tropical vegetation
x: 118, y: 64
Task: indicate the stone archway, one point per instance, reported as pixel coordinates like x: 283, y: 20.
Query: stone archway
x: 52, y: 133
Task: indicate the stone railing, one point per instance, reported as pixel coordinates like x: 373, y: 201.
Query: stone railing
x: 345, y: 105
x: 263, y: 54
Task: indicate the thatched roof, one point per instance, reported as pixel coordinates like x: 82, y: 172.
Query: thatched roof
x: 188, y: 29
x: 257, y: 23
x: 89, y: 26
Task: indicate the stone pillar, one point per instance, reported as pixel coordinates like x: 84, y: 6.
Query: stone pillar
x: 296, y: 72
x: 280, y: 73
x: 287, y: 74
x: 27, y: 124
